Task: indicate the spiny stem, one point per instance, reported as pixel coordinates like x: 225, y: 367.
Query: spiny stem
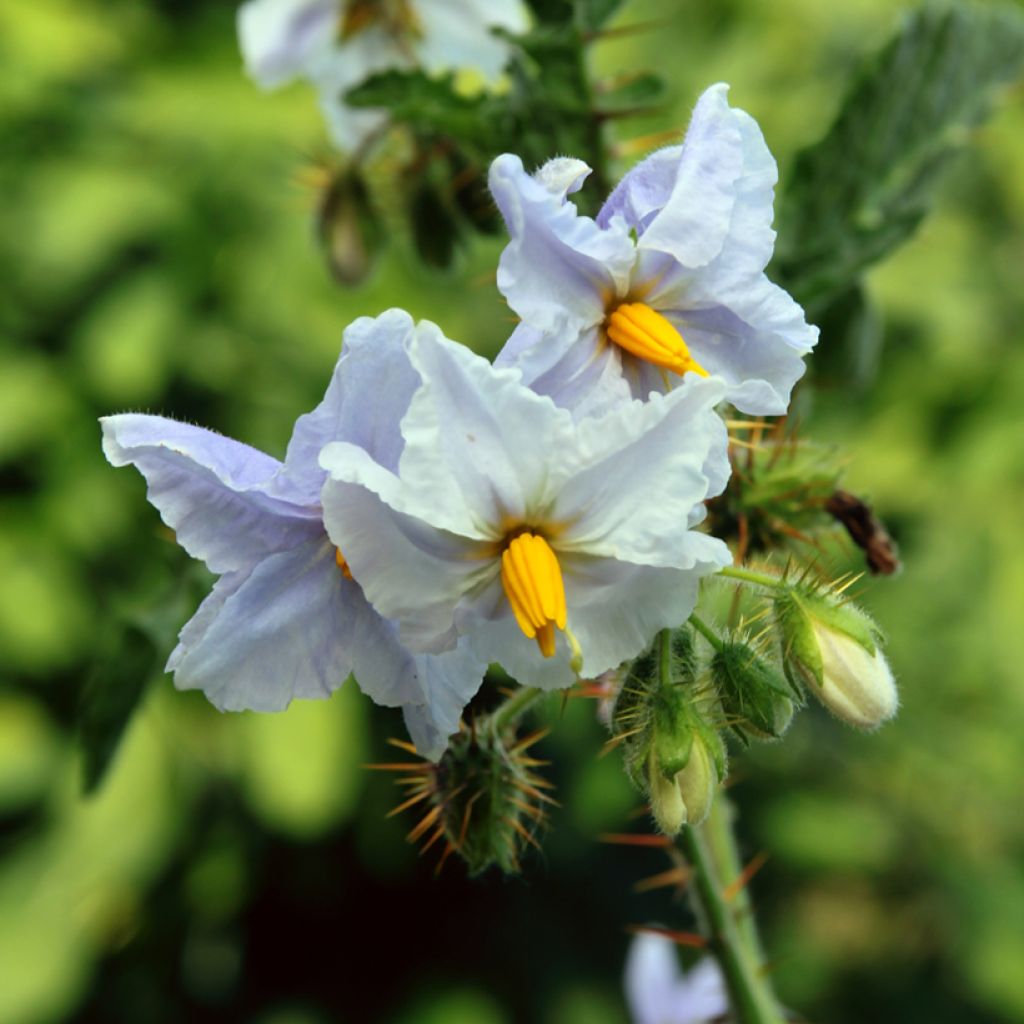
x: 750, y: 576
x: 750, y: 995
x: 707, y: 632
x: 514, y: 707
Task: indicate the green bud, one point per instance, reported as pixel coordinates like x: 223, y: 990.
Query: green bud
x: 349, y: 227
x: 833, y: 649
x: 755, y: 696
x: 685, y: 797
x: 488, y: 799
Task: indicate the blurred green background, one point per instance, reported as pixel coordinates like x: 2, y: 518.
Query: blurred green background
x: 157, y: 253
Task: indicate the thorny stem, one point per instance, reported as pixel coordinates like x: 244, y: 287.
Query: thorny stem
x: 713, y: 860
x: 748, y: 575
x: 514, y: 707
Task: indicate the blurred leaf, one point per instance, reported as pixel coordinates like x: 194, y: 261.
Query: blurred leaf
x: 862, y: 190
x: 592, y: 14
x: 130, y: 657
x: 629, y: 92
x: 425, y: 103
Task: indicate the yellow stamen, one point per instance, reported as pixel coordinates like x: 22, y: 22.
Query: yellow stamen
x: 533, y: 584
x: 342, y: 564
x: 646, y: 334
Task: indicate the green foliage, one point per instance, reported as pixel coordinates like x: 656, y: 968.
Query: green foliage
x: 861, y: 191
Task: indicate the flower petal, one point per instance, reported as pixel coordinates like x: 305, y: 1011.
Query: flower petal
x: 409, y: 569
x: 450, y: 681
x: 639, y: 450
x: 759, y: 364
x: 212, y: 491
x: 616, y: 607
x: 652, y: 971
x: 694, y: 220
x: 457, y: 34
x: 280, y: 38
x: 559, y: 267
x: 643, y: 190
x: 477, y: 436
x: 277, y: 636
x: 368, y: 395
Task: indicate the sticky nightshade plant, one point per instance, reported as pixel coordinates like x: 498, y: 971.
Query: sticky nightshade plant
x: 658, y: 992
x: 286, y: 619
x: 666, y: 283
x: 554, y: 547
x: 336, y: 44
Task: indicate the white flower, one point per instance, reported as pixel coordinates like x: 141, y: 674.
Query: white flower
x: 667, y: 282
x: 336, y: 44
x: 658, y: 992
x: 554, y: 547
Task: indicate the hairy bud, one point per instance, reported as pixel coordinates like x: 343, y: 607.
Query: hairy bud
x: 833, y: 649
x: 756, y: 698
x: 349, y: 227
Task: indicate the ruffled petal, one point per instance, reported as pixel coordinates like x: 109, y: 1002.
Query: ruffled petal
x: 616, y: 608
x: 643, y: 190
x: 369, y: 394
x: 409, y: 569
x: 693, y: 223
x: 559, y: 267
x: 342, y: 68
x: 281, y: 38
x: 457, y: 34
x: 278, y: 636
x: 192, y: 633
x: 212, y: 491
x: 578, y: 372
x: 702, y: 993
x: 657, y: 448
x: 759, y: 365
x: 476, y: 436
x: 450, y: 681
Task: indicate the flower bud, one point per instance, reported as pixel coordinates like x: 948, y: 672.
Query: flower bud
x: 756, y: 698
x: 833, y: 649
x: 349, y: 228
x: 684, y: 798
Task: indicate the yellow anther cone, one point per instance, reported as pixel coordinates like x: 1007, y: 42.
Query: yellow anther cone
x: 342, y: 564
x: 532, y: 579
x: 646, y: 334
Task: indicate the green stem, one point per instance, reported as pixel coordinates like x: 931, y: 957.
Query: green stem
x: 750, y: 995
x: 748, y: 575
x: 732, y: 943
x: 707, y: 632
x: 507, y: 714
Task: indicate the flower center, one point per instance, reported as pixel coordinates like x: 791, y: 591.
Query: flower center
x: 342, y: 564
x: 395, y: 17
x: 533, y: 584
x: 646, y: 334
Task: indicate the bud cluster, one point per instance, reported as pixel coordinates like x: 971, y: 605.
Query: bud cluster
x: 667, y: 721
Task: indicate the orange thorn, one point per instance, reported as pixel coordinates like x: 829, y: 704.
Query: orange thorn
x: 408, y: 803
x: 679, y: 938
x: 634, y: 839
x: 678, y: 876
x: 733, y: 889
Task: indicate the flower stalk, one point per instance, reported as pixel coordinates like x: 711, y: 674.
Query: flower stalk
x: 711, y: 853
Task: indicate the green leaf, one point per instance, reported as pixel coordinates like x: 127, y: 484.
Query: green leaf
x: 862, y: 190
x: 426, y: 104
x: 633, y: 93
x: 130, y: 656
x: 592, y: 14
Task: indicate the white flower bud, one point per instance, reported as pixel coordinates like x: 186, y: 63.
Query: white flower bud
x: 857, y: 685
x: 833, y: 649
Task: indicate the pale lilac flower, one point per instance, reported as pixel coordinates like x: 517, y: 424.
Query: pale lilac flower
x: 286, y: 619
x: 658, y: 992
x: 336, y: 44
x: 667, y: 282
x: 508, y: 523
